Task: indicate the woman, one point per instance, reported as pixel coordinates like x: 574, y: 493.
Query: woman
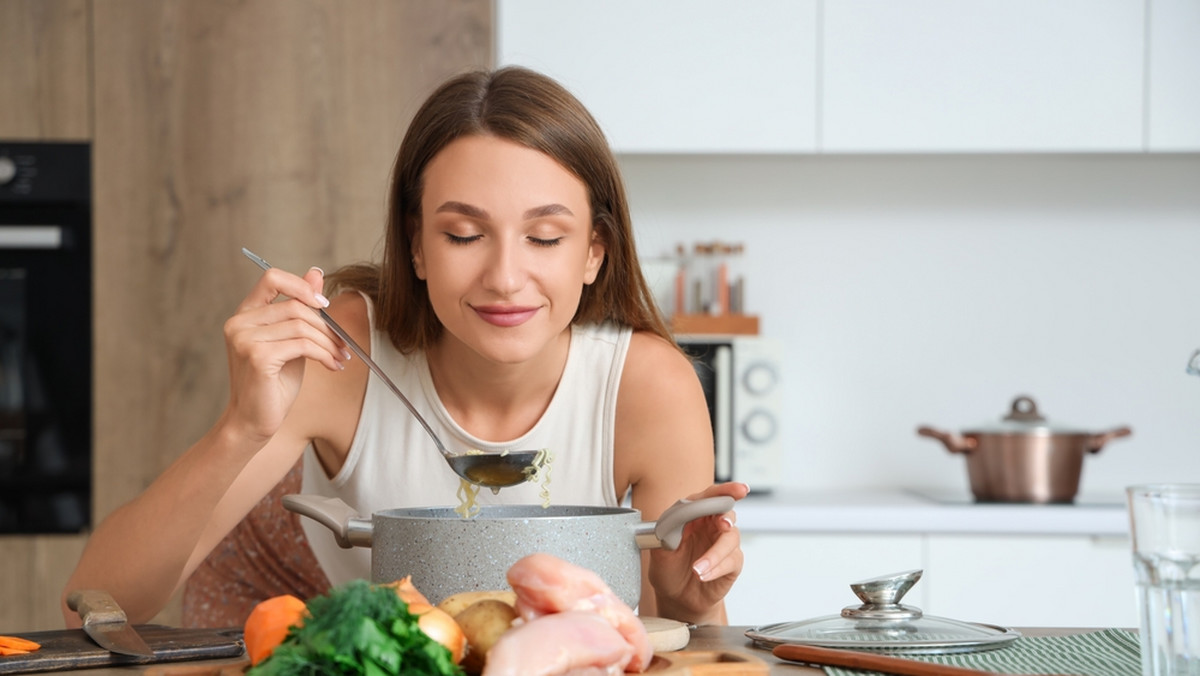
x: 509, y: 306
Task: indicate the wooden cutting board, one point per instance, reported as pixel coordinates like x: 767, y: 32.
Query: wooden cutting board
x: 72, y: 649
x: 708, y: 663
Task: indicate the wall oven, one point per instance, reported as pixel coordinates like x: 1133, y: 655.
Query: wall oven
x: 45, y: 337
x: 740, y: 378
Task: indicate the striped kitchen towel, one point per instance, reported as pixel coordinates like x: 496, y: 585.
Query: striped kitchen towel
x: 1105, y: 652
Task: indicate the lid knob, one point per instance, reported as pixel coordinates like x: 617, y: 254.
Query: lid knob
x: 1024, y: 409
x: 881, y: 597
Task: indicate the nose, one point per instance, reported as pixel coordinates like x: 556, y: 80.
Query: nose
x: 505, y: 270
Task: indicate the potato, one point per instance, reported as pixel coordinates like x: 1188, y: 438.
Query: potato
x: 483, y: 622
x: 456, y: 603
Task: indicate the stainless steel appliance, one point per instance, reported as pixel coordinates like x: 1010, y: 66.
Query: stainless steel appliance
x: 45, y: 337
x: 741, y: 380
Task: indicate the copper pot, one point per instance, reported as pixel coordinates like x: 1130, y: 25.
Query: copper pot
x: 1024, y: 458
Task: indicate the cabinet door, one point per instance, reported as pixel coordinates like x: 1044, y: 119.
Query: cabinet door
x: 677, y: 75
x: 791, y: 577
x: 44, y: 70
x: 1015, y: 581
x: 982, y: 75
x: 1174, y: 71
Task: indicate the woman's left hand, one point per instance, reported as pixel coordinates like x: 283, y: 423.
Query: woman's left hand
x: 691, y: 581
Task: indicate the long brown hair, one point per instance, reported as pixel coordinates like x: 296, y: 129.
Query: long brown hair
x: 525, y: 107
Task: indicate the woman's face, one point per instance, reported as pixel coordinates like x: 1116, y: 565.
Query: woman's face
x: 505, y: 246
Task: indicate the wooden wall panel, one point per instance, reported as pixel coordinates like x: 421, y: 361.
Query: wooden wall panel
x: 219, y: 124
x: 44, y: 73
x: 45, y: 95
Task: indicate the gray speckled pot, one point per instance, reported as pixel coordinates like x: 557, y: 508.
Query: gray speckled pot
x: 446, y: 553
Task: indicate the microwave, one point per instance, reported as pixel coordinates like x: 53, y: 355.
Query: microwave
x: 740, y: 376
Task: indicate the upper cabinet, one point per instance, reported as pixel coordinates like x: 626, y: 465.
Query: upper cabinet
x: 1174, y: 74
x: 871, y: 76
x: 677, y: 75
x: 44, y: 70
x: 983, y: 76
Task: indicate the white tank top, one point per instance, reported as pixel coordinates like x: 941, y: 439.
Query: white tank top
x: 393, y: 463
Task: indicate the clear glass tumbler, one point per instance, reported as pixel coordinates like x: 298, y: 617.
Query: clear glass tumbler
x: 1165, y: 525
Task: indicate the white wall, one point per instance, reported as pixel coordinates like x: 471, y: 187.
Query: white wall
x: 918, y: 289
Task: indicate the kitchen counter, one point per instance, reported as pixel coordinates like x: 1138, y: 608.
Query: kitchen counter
x: 926, y: 511
x: 703, y: 638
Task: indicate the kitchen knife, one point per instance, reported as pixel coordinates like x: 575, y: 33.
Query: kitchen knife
x: 869, y: 661
x: 105, y: 622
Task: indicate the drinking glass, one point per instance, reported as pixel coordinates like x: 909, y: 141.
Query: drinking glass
x: 1165, y: 528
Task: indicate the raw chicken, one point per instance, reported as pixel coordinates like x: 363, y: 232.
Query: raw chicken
x: 564, y: 608
x: 575, y: 642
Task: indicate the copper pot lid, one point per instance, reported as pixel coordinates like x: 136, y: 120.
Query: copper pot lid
x: 883, y: 624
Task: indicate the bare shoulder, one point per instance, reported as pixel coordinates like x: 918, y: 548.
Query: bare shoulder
x: 330, y: 401
x: 654, y: 366
x: 663, y: 437
x: 349, y: 310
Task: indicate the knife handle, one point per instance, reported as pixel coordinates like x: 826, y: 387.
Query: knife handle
x: 856, y: 659
x: 94, y: 605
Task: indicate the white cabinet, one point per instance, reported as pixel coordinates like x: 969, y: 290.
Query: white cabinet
x: 791, y: 577
x: 677, y: 75
x: 982, y: 75
x: 1174, y: 76
x: 1007, y: 580
x: 1058, y: 581
x: 871, y: 76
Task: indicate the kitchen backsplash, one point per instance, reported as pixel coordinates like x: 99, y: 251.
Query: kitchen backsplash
x: 913, y: 290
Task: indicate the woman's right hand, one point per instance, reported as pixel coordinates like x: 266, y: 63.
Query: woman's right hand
x: 268, y: 340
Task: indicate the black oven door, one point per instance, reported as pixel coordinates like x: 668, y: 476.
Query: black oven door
x: 45, y: 347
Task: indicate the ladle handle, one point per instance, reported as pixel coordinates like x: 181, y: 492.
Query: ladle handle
x: 361, y: 354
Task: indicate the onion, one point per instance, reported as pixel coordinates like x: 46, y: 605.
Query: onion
x: 407, y: 591
x: 439, y: 626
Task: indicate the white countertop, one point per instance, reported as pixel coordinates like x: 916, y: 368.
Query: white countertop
x: 926, y: 511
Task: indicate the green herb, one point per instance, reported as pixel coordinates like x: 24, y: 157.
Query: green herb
x: 358, y: 628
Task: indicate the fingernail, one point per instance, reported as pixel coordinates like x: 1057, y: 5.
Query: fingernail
x: 346, y: 354
x: 340, y: 365
x: 322, y: 300
x: 701, y: 568
x: 728, y: 521
x: 318, y: 270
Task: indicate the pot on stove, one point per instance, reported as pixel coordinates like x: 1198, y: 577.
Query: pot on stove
x: 1024, y: 458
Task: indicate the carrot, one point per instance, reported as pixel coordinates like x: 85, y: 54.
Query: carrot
x: 15, y: 645
x: 268, y: 625
x: 18, y: 643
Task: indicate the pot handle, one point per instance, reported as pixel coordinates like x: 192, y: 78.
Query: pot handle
x: 667, y: 532
x: 349, y: 529
x: 955, y: 443
x: 1097, y: 441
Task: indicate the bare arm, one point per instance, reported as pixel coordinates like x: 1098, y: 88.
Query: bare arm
x: 143, y: 551
x: 664, y: 450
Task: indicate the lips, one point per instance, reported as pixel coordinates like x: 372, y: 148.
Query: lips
x: 505, y: 315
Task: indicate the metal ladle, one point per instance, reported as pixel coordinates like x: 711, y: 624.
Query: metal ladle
x: 493, y: 470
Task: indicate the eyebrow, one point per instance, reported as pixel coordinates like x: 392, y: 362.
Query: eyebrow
x: 471, y: 211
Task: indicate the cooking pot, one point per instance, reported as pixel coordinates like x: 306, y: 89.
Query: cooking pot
x: 446, y: 553
x: 1024, y: 458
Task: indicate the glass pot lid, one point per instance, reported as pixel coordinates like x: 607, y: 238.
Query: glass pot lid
x: 1024, y: 418
x: 882, y: 623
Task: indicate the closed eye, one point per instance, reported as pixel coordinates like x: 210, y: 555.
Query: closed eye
x: 457, y: 239
x: 538, y: 241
